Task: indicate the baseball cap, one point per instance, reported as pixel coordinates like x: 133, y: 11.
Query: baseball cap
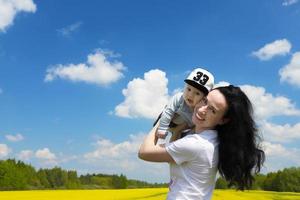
x: 201, y: 79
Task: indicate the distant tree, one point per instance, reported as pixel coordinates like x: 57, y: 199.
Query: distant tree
x: 42, y: 176
x: 119, y: 182
x: 57, y: 177
x: 10, y: 177
x: 288, y: 180
x: 72, y: 180
x: 268, y: 183
x: 30, y: 175
x: 85, y: 179
x: 258, y: 182
x: 221, y: 183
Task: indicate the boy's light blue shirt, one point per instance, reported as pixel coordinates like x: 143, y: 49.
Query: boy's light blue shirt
x: 176, y: 111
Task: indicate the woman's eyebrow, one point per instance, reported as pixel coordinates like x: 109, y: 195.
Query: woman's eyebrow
x: 213, y: 108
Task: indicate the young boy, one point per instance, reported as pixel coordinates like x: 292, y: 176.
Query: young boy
x: 181, y: 107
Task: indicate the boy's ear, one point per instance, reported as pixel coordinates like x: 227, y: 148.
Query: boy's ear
x: 224, y: 121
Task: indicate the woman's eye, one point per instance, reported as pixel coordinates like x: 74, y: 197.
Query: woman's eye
x: 212, y: 110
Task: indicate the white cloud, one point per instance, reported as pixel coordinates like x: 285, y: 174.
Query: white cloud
x: 279, y: 157
x: 289, y: 2
x: 14, y: 138
x: 291, y: 72
x: 10, y: 8
x: 106, y: 149
x: 45, y: 154
x: 144, y: 97
x: 4, y: 150
x: 272, y: 149
x: 25, y: 155
x: 276, y: 48
x: 280, y: 133
x: 266, y: 105
x: 68, y: 30
x: 221, y: 84
x: 109, y: 157
x: 44, y: 158
x: 98, y: 70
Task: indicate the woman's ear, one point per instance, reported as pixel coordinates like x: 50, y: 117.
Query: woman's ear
x: 224, y: 121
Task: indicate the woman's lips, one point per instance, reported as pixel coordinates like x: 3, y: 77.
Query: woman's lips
x: 199, y: 117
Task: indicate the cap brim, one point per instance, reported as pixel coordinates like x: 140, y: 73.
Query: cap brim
x: 197, y: 85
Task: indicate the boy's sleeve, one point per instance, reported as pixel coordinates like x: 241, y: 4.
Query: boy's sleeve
x: 169, y: 112
x: 182, y: 150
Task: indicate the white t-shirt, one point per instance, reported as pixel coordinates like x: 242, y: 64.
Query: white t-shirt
x: 193, y: 176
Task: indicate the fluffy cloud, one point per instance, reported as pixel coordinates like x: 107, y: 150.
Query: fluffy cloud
x: 45, y: 154
x: 221, y: 84
x: 67, y: 31
x: 289, y: 2
x: 275, y: 149
x: 280, y: 133
x: 291, y: 72
x: 98, y: 70
x: 44, y: 158
x: 266, y: 105
x: 25, y: 155
x: 276, y: 48
x: 14, y: 138
x: 279, y: 157
x: 106, y: 149
x: 10, y: 8
x: 4, y: 150
x: 144, y: 97
x: 110, y: 157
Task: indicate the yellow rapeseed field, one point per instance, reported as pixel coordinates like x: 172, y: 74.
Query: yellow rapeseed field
x: 138, y: 194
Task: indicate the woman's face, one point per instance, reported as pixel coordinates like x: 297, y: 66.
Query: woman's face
x: 209, y: 112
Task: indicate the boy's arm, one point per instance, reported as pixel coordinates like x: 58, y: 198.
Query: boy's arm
x: 169, y: 112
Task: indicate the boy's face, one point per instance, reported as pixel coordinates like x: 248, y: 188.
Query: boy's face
x: 192, y: 95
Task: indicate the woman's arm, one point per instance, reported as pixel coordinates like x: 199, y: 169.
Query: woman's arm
x: 151, y: 152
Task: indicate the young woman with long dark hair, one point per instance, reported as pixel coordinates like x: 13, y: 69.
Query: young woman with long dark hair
x: 224, y: 139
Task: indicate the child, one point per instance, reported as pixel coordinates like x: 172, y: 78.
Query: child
x: 181, y: 107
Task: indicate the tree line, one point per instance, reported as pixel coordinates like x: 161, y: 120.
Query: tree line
x: 16, y: 175
x: 286, y: 180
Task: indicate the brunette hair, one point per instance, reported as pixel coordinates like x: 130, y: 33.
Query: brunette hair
x: 239, y: 152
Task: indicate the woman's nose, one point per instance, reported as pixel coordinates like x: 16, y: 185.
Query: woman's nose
x: 202, y: 110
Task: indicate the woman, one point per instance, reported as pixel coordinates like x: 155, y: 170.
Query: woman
x: 224, y: 139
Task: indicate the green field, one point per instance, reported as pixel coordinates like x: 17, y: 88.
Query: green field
x: 136, y: 194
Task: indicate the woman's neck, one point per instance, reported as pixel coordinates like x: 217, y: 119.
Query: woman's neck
x: 201, y: 129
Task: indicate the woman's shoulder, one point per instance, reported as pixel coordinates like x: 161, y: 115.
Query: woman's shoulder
x: 207, y: 138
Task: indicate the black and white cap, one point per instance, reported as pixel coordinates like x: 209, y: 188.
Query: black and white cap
x: 201, y: 79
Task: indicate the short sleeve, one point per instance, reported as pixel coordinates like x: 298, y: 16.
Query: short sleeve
x: 183, y: 150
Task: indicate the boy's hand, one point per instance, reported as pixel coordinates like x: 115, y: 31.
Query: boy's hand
x: 161, y: 134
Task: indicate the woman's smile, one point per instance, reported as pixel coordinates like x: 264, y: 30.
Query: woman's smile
x: 199, y: 117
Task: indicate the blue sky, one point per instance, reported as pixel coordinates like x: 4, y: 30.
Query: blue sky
x: 82, y: 82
